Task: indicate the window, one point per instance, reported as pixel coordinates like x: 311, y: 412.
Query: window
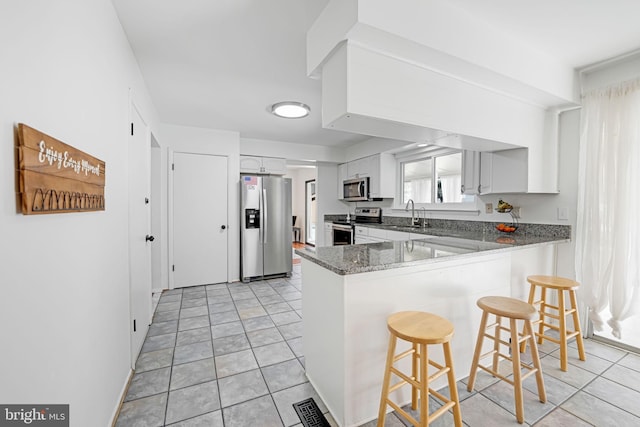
x: 433, y: 178
x: 417, y: 181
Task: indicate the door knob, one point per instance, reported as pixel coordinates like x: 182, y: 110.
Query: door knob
x: 149, y: 238
x: 224, y: 227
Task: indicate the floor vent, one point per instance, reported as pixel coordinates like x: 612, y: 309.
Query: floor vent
x: 310, y: 414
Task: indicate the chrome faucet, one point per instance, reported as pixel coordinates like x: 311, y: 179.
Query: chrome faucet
x: 425, y: 223
x: 414, y: 220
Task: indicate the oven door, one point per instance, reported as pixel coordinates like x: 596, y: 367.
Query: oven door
x: 342, y: 235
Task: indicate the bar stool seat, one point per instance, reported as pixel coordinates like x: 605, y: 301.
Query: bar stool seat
x: 559, y: 313
x: 421, y: 329
x: 514, y: 310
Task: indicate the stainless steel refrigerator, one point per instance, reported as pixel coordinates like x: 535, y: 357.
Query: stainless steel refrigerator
x: 266, y: 226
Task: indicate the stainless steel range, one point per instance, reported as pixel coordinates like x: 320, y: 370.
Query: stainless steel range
x: 344, y: 231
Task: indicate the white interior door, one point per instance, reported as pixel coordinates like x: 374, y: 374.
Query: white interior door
x: 139, y: 227
x: 199, y: 231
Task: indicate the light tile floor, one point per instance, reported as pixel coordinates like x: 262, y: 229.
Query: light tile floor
x: 231, y: 355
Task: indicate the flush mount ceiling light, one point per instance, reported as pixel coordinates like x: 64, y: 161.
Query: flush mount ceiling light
x: 290, y: 110
x: 422, y: 145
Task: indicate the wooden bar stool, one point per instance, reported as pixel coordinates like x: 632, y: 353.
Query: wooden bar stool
x: 420, y: 329
x: 560, y: 284
x: 514, y: 310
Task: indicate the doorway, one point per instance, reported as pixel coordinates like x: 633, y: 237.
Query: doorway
x: 630, y: 339
x: 310, y: 212
x: 198, y: 234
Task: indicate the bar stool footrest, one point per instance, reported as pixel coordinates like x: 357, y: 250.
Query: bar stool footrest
x: 406, y: 379
x: 402, y: 412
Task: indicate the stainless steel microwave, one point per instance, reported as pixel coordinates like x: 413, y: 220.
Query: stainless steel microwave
x: 355, y: 190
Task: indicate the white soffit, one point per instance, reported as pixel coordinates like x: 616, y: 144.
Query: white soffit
x: 528, y: 49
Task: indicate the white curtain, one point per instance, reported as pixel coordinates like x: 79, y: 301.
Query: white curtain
x: 607, y: 233
x: 419, y: 190
x: 451, y: 188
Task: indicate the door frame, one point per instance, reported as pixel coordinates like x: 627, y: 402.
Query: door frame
x: 159, y: 280
x: 306, y: 214
x: 624, y: 345
x: 142, y: 325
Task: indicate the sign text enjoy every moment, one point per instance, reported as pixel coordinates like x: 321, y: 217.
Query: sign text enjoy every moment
x: 55, y: 177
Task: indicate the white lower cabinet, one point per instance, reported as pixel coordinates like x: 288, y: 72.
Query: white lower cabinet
x: 374, y: 235
x: 367, y: 235
x: 328, y: 234
x: 362, y: 236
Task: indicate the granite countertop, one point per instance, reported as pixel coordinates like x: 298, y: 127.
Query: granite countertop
x: 438, y: 245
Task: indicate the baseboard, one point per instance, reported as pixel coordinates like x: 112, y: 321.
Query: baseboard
x: 123, y: 394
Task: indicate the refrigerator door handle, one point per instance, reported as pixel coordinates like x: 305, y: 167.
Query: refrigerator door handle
x: 265, y: 217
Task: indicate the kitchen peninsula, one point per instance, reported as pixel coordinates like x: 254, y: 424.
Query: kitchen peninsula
x: 348, y: 292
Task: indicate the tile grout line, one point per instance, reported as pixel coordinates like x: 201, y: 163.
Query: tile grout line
x: 251, y: 347
x: 600, y: 375
x: 259, y: 367
x: 173, y: 355
x: 213, y: 353
x: 556, y: 407
x: 581, y: 389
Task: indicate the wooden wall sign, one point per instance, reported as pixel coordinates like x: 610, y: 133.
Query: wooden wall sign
x: 55, y: 177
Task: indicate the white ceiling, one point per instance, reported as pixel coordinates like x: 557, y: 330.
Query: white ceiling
x: 581, y: 32
x: 221, y: 64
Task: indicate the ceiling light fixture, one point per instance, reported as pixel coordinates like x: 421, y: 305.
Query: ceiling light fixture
x: 290, y: 110
x: 422, y: 145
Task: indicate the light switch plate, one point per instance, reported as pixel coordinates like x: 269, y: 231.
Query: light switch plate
x: 488, y: 208
x: 563, y: 213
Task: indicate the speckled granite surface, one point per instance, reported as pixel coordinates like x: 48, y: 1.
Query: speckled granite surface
x: 459, y: 226
x: 443, y: 240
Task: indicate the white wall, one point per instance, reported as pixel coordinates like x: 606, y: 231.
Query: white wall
x: 288, y: 150
x: 64, y: 312
x: 373, y: 146
x: 326, y: 196
x: 217, y: 142
x: 612, y: 72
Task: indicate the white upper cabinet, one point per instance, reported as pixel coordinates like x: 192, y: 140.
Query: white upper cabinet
x: 361, y: 167
x: 381, y: 170
x: 342, y: 175
x: 250, y: 164
x: 495, y: 172
x: 470, y: 172
x: 383, y: 176
x: 504, y: 171
x: 274, y: 165
x: 263, y: 165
